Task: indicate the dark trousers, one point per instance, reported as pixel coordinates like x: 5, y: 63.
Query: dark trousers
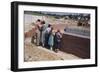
x: 46, y: 40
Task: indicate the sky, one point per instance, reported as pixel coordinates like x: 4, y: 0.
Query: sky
x: 57, y: 13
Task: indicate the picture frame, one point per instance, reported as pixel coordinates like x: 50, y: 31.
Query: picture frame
x: 82, y: 43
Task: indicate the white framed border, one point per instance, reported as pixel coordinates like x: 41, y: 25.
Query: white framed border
x: 22, y: 64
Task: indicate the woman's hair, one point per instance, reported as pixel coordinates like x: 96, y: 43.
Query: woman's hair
x: 38, y: 20
x: 58, y: 30
x: 51, y: 30
x: 49, y: 25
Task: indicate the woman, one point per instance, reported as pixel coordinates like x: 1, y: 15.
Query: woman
x: 47, y: 33
x: 38, y: 33
x: 43, y: 31
x: 51, y: 39
x: 57, y: 40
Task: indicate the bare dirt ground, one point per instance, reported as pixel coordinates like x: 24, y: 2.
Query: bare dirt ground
x: 34, y: 53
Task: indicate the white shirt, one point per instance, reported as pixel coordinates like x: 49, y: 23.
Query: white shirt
x: 48, y: 29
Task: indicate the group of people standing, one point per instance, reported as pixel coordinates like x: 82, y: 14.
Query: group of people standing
x: 46, y: 36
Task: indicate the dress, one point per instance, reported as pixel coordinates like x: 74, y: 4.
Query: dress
x: 37, y: 37
x: 43, y: 33
x: 57, y: 40
x: 51, y: 40
x: 38, y: 34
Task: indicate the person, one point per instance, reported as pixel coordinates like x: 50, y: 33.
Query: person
x: 51, y: 39
x: 38, y: 27
x: 57, y: 40
x: 44, y: 27
x: 47, y: 32
x: 34, y: 39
